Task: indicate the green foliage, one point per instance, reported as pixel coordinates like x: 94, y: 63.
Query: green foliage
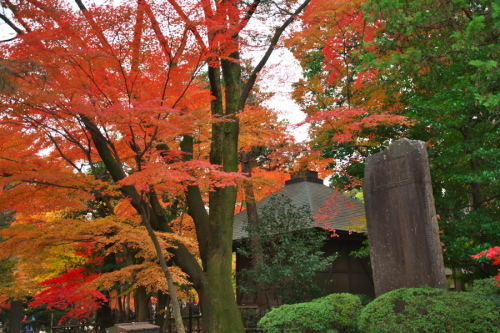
x: 429, y: 310
x: 487, y: 286
x: 363, y: 252
x: 251, y: 316
x: 330, y: 314
x: 314, y: 62
x: 6, y: 217
x: 290, y: 252
x: 448, y: 81
x: 46, y: 318
x: 488, y: 289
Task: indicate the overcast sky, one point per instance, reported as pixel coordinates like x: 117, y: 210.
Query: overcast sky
x: 281, y: 72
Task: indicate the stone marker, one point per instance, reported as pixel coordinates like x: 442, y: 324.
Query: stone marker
x: 402, y: 224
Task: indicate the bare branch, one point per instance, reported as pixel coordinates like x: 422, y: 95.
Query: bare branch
x: 11, y: 24
x: 251, y: 10
x: 279, y: 31
x: 52, y: 184
x: 8, y: 40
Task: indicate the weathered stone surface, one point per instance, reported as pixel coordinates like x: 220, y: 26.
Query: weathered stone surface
x: 402, y: 224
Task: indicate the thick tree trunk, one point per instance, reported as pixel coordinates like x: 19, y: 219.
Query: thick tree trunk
x: 218, y: 301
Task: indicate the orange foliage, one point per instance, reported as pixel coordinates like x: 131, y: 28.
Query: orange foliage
x: 101, y: 99
x: 260, y: 127
x: 345, y: 123
x: 344, y: 102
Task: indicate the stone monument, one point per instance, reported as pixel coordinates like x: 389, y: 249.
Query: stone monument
x: 402, y: 225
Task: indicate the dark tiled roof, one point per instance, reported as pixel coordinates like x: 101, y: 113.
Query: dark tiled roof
x: 331, y: 209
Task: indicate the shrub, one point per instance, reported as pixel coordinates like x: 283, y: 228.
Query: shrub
x: 487, y: 288
x: 429, y: 310
x: 335, y: 313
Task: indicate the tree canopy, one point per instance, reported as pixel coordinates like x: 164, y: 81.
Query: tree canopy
x: 120, y: 119
x: 130, y: 132
x: 432, y: 68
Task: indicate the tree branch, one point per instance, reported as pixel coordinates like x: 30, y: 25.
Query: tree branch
x: 251, y: 10
x: 19, y: 19
x: 159, y: 35
x: 190, y: 25
x: 279, y: 31
x: 11, y: 24
x: 182, y: 257
x: 196, y: 206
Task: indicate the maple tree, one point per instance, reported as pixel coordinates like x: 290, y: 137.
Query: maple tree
x: 117, y: 249
x: 108, y: 103
x: 66, y: 291
x: 23, y: 244
x: 344, y: 102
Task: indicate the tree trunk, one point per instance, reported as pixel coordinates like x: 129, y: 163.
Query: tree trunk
x: 218, y: 301
x: 253, y: 219
x: 121, y: 310
x: 15, y: 316
x: 475, y: 186
x: 141, y: 304
x: 128, y: 308
x: 166, y: 271
x: 163, y: 300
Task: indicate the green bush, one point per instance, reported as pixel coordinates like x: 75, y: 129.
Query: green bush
x: 335, y: 313
x: 429, y: 310
x: 487, y: 288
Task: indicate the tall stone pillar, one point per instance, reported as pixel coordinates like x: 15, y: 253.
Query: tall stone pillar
x: 401, y: 216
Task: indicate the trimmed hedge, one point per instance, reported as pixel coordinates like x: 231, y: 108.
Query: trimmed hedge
x: 487, y: 288
x: 429, y: 310
x: 335, y: 313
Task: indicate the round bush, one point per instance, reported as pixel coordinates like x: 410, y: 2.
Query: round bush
x: 429, y: 310
x: 336, y: 313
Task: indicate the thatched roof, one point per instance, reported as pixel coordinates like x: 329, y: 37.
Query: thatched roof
x: 331, y: 209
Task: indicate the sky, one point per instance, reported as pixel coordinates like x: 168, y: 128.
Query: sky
x: 279, y: 75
